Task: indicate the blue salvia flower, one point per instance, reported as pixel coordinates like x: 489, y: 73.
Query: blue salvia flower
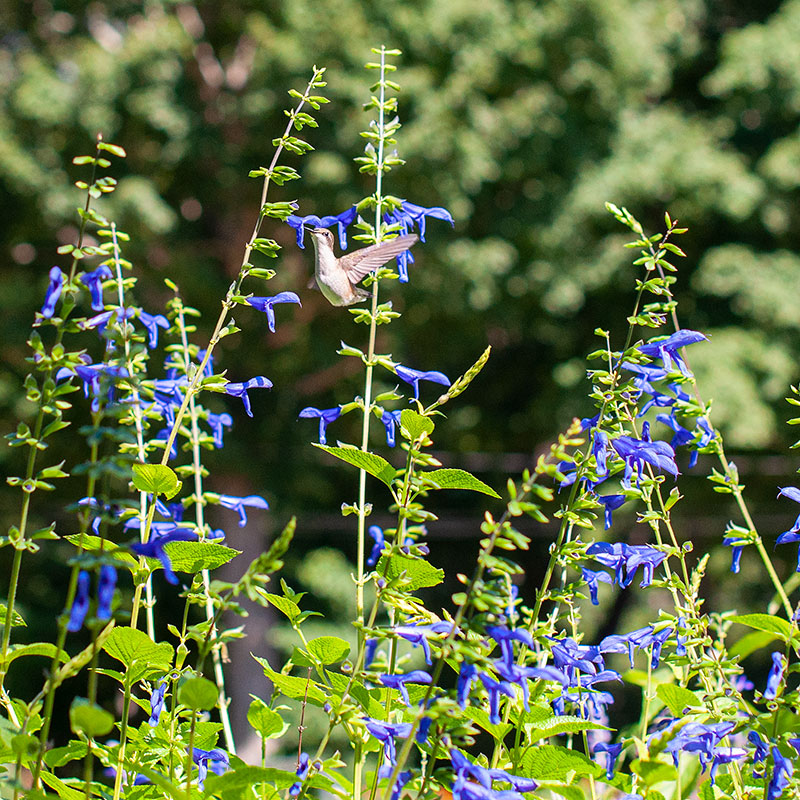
x: 638, y: 639
x: 610, y: 503
x: 506, y: 638
x: 238, y: 504
x: 700, y: 738
x: 266, y: 304
x: 626, y: 559
x: 386, y: 733
x: 80, y: 605
x: 302, y: 773
x: 377, y: 536
x: 341, y: 221
x: 467, y: 675
x: 599, y: 451
x: 782, y: 771
x: 638, y: 452
x: 155, y: 548
x: 680, y: 646
x: 414, y: 376
x: 217, y: 423
x: 157, y: 704
x: 724, y: 755
x: 106, y: 583
x: 761, y: 752
x: 667, y: 349
x: 775, y: 676
x: 370, y: 646
x: 152, y: 322
x: 737, y: 545
x: 390, y: 420
x: 407, y: 217
x: 93, y: 281
x: 240, y: 390
x: 402, y: 779
x: 399, y: 682
x: 793, y: 534
x: 53, y: 292
x: 494, y: 689
x: 216, y: 760
x: 418, y: 635
x: 612, y: 752
x: 464, y: 769
x: 592, y: 577
x: 325, y: 415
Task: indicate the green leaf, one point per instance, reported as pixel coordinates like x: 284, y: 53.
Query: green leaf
x: 653, y: 772
x: 63, y: 791
x: 46, y: 649
x: 677, y: 699
x: 418, y: 572
x: 291, y: 686
x: 283, y: 604
x: 59, y: 756
x: 376, y: 466
x: 561, y: 724
x: 766, y: 622
x: 89, y: 718
x: 267, y: 723
x: 414, y: 426
x: 129, y: 646
x: 245, y: 778
x: 329, y: 649
x: 16, y: 619
x: 552, y: 763
x: 156, y: 479
x: 199, y: 694
x: 192, y: 557
x: 751, y: 642
x: 458, y: 479
x: 481, y: 718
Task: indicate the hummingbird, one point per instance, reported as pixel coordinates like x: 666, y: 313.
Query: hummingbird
x: 337, y: 277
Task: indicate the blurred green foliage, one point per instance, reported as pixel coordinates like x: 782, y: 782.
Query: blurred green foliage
x: 520, y: 117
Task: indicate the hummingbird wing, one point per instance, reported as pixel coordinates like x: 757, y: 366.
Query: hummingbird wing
x: 361, y: 262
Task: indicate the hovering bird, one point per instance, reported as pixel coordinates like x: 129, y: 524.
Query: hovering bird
x: 337, y: 277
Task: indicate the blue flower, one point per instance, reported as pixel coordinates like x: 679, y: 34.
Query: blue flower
x: 724, y: 755
x: 157, y: 704
x: 775, y: 677
x: 626, y: 559
x: 326, y: 416
x: 93, y: 281
x: 612, y: 752
x: 106, y: 583
x: 667, y: 349
x: 610, y: 502
x: 781, y: 773
x: 414, y: 376
x: 599, y: 450
x: 495, y: 688
x: 153, y: 322
x: 410, y: 215
x: 402, y: 779
x: 592, y: 577
x: 762, y: 749
x: 215, y: 760
x: 419, y: 634
x: 700, y: 738
x: 377, y: 536
x: 90, y: 375
x: 238, y: 504
x: 303, y: 764
x: 467, y: 675
x: 399, y: 682
x: 390, y: 419
x: 506, y: 638
x: 53, y: 292
x: 638, y: 452
x: 80, y: 605
x: 217, y: 423
x: 240, y: 390
x: 386, y: 733
x: 266, y: 304
x: 342, y: 221
x: 155, y: 548
x: 638, y: 639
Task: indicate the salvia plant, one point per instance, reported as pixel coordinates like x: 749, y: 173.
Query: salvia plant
x: 499, y: 695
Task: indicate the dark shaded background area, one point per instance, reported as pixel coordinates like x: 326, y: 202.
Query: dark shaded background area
x: 521, y: 118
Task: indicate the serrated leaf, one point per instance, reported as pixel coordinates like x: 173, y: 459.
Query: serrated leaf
x: 766, y: 622
x: 553, y: 763
x: 481, y: 718
x: 265, y: 721
x: 246, y: 777
x: 156, y: 479
x: 653, y: 772
x: 677, y: 699
x: 329, y: 649
x: 192, y: 557
x: 294, y: 687
x: 418, y: 572
x: 562, y: 724
x: 458, y: 479
x: 129, y: 645
x: 373, y: 464
x: 414, y: 426
x: 46, y: 649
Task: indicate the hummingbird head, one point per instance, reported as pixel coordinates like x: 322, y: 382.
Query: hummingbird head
x: 322, y: 236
